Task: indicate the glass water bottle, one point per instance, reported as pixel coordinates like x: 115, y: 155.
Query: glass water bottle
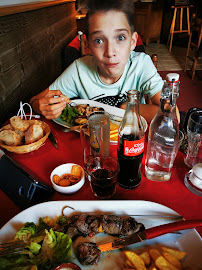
x: 163, y: 133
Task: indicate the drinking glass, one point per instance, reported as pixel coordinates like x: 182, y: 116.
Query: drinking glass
x: 102, y: 174
x: 99, y: 129
x: 194, y: 136
x: 85, y: 144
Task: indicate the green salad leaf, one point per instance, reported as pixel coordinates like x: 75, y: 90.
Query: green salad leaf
x: 69, y: 113
x: 55, y: 248
x: 46, y: 248
x: 25, y: 233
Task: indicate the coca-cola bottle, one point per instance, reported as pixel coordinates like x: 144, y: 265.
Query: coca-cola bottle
x: 130, y: 143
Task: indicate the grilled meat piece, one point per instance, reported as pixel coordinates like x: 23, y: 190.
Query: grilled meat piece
x: 82, y: 224
x: 88, y: 253
x: 112, y: 224
x: 72, y: 231
x: 130, y: 226
x: 116, y: 225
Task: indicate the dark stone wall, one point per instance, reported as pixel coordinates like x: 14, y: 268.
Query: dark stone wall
x: 31, y: 45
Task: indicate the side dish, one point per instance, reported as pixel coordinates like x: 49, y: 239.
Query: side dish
x: 68, y: 179
x: 153, y: 259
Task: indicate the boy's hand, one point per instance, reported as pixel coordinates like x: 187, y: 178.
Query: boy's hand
x: 48, y: 104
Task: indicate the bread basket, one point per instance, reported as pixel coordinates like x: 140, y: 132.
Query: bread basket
x: 26, y: 148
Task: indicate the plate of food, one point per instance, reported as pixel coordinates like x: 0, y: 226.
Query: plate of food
x: 23, y: 136
x: 82, y: 222
x: 76, y: 114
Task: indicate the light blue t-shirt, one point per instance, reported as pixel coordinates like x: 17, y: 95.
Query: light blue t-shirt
x: 81, y: 79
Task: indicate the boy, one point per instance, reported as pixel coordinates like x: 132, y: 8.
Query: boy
x: 111, y: 70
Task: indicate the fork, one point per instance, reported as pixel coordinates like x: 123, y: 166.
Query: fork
x: 11, y: 248
x: 115, y: 118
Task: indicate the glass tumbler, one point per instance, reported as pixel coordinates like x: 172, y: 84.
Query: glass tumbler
x: 99, y: 131
x: 102, y: 174
x: 194, y: 135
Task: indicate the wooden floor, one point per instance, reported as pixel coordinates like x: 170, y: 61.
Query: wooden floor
x: 175, y: 60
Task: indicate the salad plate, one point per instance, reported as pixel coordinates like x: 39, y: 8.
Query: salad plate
x: 116, y: 114
x: 187, y: 240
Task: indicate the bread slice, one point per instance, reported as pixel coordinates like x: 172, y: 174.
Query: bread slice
x: 10, y: 137
x: 18, y: 124
x: 22, y: 135
x: 33, y: 134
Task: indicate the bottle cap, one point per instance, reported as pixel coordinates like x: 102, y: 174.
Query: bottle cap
x: 171, y: 76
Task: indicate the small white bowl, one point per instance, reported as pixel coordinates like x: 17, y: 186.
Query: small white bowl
x: 66, y: 168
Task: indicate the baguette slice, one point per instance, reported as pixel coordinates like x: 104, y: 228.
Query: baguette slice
x: 10, y: 137
x: 18, y: 124
x: 33, y: 134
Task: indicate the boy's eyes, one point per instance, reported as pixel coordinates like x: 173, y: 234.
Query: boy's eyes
x: 120, y: 37
x: 99, y: 41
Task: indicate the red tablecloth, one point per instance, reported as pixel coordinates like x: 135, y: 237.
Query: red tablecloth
x: 41, y: 162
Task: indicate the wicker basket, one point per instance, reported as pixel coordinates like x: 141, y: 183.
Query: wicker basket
x: 26, y: 148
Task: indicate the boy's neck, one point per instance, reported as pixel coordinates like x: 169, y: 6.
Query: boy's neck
x: 108, y: 80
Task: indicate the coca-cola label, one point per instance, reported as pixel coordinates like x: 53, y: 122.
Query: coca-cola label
x: 133, y: 148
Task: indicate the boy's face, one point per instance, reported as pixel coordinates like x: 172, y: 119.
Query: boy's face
x: 110, y: 42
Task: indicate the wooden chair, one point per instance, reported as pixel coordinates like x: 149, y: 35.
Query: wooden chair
x: 194, y: 49
x: 181, y: 30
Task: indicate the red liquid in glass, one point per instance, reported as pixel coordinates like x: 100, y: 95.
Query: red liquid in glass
x: 103, y: 182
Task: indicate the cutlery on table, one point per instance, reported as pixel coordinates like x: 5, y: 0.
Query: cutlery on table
x: 150, y: 234
x: 12, y: 248
x: 53, y: 140
x: 74, y: 128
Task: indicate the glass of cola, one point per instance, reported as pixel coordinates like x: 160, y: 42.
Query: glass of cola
x: 102, y: 173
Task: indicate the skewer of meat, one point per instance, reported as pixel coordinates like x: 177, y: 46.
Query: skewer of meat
x: 88, y: 225
x: 84, y: 225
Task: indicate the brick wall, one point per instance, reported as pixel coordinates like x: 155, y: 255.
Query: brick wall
x: 31, y: 46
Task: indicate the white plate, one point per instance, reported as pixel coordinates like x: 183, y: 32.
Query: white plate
x: 117, y: 112
x: 188, y: 241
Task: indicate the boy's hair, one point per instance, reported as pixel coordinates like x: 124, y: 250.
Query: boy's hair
x: 125, y: 6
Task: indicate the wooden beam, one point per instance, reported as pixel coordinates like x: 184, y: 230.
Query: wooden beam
x: 12, y: 9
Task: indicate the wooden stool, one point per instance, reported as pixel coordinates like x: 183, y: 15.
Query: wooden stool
x: 194, y: 44
x: 172, y: 28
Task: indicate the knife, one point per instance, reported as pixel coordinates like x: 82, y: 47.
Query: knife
x: 150, y: 233
x: 53, y: 140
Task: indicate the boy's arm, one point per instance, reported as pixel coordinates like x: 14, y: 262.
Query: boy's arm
x: 48, y: 103
x: 148, y: 111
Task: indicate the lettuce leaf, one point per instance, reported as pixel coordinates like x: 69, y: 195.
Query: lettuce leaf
x: 56, y: 247
x: 69, y: 113
x: 26, y: 232
x: 46, y: 249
